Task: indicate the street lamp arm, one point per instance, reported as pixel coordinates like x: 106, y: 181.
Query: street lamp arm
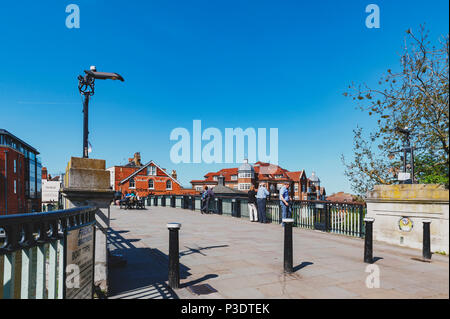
x: 104, y: 75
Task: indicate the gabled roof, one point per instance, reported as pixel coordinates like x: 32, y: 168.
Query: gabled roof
x: 144, y: 167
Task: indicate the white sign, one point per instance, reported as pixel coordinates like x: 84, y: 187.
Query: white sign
x: 404, y: 176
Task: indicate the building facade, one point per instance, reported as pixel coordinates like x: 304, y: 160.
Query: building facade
x: 51, y: 198
x: 20, y: 176
x: 143, y: 180
x: 241, y: 178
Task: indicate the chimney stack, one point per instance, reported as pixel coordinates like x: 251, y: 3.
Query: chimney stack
x: 44, y: 173
x: 174, y: 174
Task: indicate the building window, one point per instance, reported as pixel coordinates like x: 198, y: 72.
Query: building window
x: 303, y: 188
x: 245, y: 175
x: 151, y: 170
x: 15, y: 187
x: 132, y: 183
x: 296, y: 187
x: 198, y: 188
x: 278, y: 176
x: 244, y: 186
x: 169, y: 184
x: 234, y: 177
x: 215, y: 178
x: 151, y: 185
x: 15, y: 166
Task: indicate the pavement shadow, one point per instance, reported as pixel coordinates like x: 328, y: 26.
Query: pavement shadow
x: 199, y: 280
x: 145, y: 273
x: 375, y: 259
x: 302, y: 265
x: 198, y: 250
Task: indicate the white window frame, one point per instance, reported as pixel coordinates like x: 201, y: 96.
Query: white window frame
x: 151, y: 170
x: 171, y: 184
x: 134, y: 183
x: 153, y: 183
x: 244, y: 186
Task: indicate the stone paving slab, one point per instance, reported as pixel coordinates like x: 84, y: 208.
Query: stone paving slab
x: 241, y: 259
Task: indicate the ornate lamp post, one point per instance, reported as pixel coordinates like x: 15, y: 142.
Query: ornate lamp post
x: 407, y: 148
x: 86, y: 86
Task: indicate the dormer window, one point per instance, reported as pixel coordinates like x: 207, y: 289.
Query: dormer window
x: 151, y: 170
x: 215, y: 178
x: 132, y: 183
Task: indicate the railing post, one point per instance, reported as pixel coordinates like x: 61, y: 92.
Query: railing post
x: 368, y: 242
x: 426, y: 251
x: 288, y: 255
x: 361, y: 221
x: 174, y: 258
x: 219, y: 206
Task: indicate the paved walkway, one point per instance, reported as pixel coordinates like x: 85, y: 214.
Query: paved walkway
x: 241, y: 259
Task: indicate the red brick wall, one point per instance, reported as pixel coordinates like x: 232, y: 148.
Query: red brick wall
x: 16, y: 203
x: 141, y: 182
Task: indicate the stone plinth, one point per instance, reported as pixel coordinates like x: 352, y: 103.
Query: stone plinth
x: 399, y: 212
x: 87, y: 183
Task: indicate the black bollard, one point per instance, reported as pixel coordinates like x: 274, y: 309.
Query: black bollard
x: 426, y: 251
x: 174, y: 258
x: 368, y: 242
x: 288, y: 256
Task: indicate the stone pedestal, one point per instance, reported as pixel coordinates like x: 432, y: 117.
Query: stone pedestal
x: 87, y: 183
x: 399, y: 212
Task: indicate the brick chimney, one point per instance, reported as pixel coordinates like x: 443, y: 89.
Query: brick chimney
x: 174, y: 174
x: 44, y: 173
x: 136, y: 159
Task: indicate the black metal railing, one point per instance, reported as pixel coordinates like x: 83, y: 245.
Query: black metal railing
x: 335, y: 217
x: 33, y: 249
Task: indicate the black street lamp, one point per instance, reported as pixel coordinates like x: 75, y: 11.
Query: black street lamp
x: 407, y: 148
x: 86, y: 86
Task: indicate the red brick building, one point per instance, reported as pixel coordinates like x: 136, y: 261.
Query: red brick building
x: 145, y: 179
x: 20, y: 176
x: 241, y: 178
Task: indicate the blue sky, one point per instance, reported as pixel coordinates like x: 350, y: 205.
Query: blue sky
x: 259, y: 64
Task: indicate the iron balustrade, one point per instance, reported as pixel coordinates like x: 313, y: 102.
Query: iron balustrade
x: 335, y: 217
x: 33, y: 250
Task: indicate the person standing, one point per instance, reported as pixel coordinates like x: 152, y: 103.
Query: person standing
x: 261, y: 202
x: 285, y: 202
x: 205, y: 202
x: 252, y: 211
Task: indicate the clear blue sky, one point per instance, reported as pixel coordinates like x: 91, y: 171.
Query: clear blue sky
x: 231, y: 63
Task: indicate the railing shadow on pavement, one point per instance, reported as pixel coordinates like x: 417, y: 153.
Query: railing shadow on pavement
x: 145, y: 274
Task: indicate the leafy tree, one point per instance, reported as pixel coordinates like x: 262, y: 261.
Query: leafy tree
x: 415, y: 97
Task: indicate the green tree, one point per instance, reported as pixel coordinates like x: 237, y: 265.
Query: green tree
x: 415, y: 97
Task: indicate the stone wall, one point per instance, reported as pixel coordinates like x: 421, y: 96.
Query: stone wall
x: 399, y: 212
x: 87, y: 183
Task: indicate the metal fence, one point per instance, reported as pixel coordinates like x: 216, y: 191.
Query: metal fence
x: 33, y: 252
x: 335, y: 217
